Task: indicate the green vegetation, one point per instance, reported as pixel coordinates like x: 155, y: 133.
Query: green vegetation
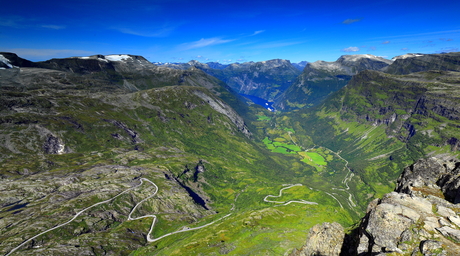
x: 126, y: 131
x: 344, y: 152
x: 263, y: 118
x: 314, y: 158
x: 280, y: 147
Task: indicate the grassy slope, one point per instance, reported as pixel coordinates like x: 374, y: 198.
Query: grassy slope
x: 174, y: 129
x: 381, y: 123
x: 177, y: 130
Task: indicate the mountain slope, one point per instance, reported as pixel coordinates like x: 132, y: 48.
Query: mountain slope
x: 265, y: 79
x: 321, y: 78
x: 419, y: 218
x: 88, y: 163
x: 79, y: 152
x: 411, y: 63
x: 381, y: 123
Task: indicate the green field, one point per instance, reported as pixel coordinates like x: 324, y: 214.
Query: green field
x: 280, y: 147
x: 263, y: 118
x: 313, y: 157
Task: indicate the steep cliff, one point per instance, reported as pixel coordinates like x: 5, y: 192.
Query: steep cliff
x: 381, y: 122
x: 265, y: 79
x: 421, y: 217
x: 321, y: 78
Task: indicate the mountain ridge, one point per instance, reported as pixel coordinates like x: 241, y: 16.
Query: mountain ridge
x: 321, y: 78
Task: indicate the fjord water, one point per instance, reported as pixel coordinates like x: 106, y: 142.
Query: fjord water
x: 259, y: 101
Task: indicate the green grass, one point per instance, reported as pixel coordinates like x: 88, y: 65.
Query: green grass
x: 280, y: 147
x: 263, y: 118
x: 313, y: 158
x: 239, y: 171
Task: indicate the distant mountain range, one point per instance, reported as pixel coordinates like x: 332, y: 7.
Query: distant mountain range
x: 281, y: 82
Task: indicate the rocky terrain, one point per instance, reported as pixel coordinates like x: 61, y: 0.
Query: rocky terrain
x: 411, y: 63
x: 321, y: 78
x: 382, y: 122
x: 421, y: 217
x: 265, y: 79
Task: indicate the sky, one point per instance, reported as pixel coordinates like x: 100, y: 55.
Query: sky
x: 228, y: 31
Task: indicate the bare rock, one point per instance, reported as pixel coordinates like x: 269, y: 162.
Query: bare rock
x: 323, y: 239
x: 424, y: 172
x: 449, y: 232
x: 431, y: 248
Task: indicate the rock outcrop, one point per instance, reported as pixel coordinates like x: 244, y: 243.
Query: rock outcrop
x: 323, y: 239
x: 421, y: 217
x: 265, y: 79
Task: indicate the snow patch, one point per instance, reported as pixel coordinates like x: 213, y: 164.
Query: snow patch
x: 329, y: 66
x: 5, y: 61
x: 117, y: 57
x: 357, y: 57
x: 408, y: 55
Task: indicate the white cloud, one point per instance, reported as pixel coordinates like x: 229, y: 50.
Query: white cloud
x: 203, y: 42
x: 162, y: 32
x: 420, y: 34
x: 57, y: 27
x: 448, y: 49
x: 386, y: 42
x: 22, y: 23
x: 349, y: 21
x: 351, y: 49
x: 12, y: 21
x: 257, y: 32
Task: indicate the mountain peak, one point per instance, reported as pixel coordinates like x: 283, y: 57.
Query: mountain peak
x: 113, y: 57
x: 408, y: 55
x: 358, y: 57
x: 280, y: 61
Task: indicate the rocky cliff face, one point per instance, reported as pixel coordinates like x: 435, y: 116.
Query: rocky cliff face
x: 413, y: 108
x: 321, y: 78
x: 265, y: 79
x: 421, y: 217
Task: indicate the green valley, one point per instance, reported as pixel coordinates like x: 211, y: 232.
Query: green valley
x: 103, y: 161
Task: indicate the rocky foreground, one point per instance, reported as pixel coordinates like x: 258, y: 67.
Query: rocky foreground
x: 421, y: 217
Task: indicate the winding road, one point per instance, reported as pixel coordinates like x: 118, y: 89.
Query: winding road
x: 287, y: 202
x: 130, y: 218
x: 72, y: 219
x: 345, y: 181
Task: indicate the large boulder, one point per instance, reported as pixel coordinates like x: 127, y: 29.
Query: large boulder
x: 323, y: 239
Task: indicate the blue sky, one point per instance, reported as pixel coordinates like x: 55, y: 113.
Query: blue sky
x: 228, y: 31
